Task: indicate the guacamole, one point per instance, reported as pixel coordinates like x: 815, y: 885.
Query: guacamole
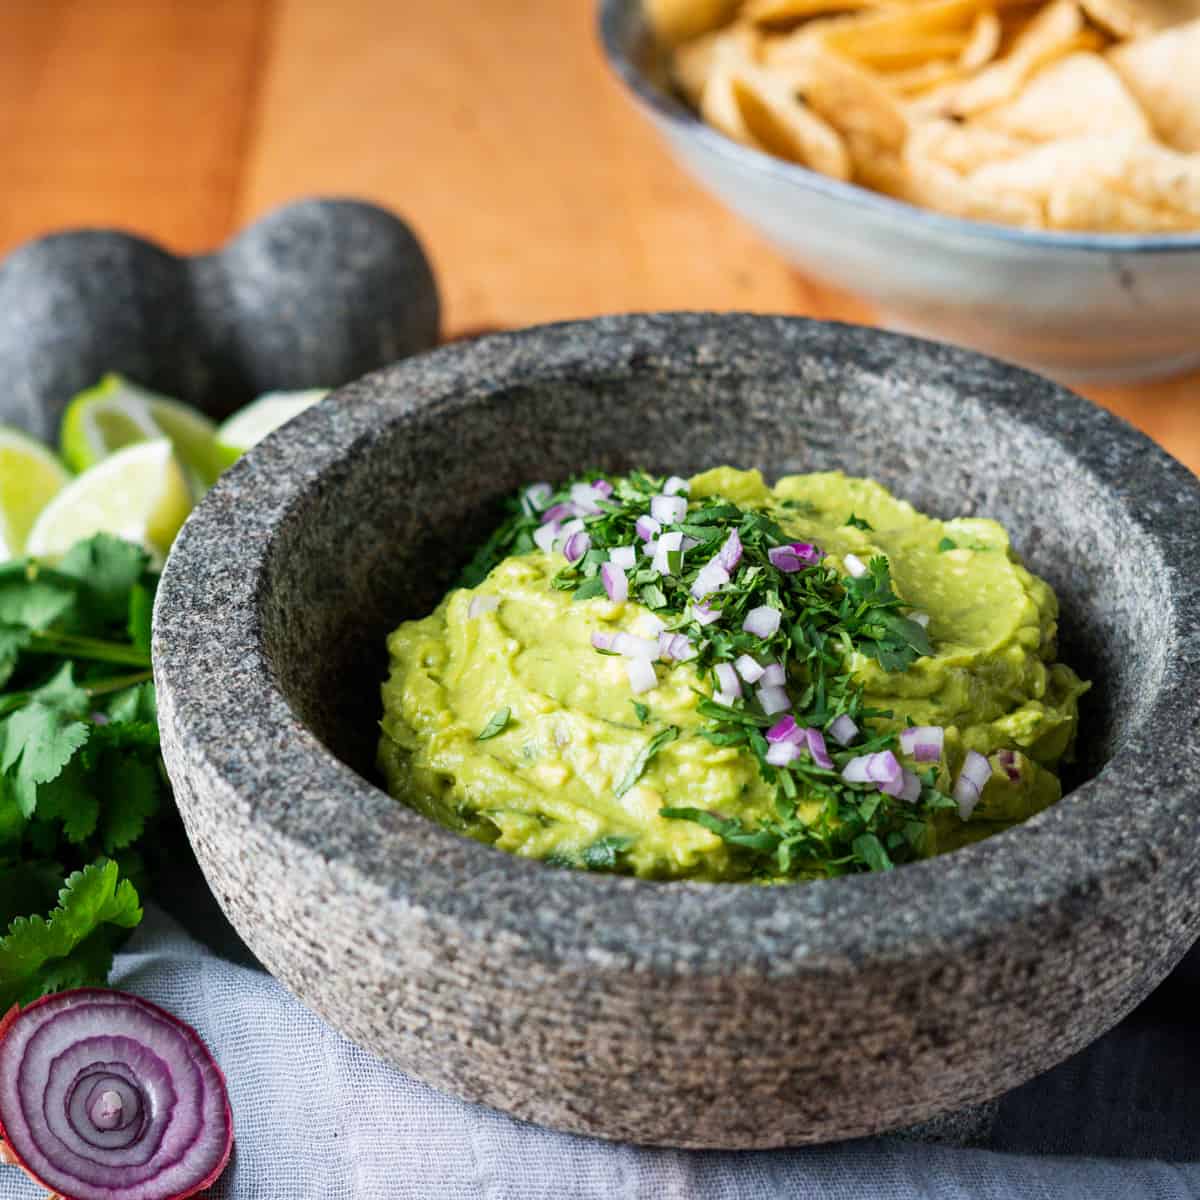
x: 712, y: 679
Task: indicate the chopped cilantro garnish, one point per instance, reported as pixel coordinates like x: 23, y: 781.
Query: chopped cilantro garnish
x: 642, y: 760
x: 496, y: 725
x: 641, y: 711
x: 603, y: 855
x: 946, y: 544
x: 859, y: 523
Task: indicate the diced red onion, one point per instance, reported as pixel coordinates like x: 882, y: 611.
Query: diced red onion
x: 881, y: 767
x: 773, y: 700
x: 602, y: 488
x: 730, y: 553
x: 763, y: 621
x: 794, y: 556
x: 576, y: 546
x: 976, y: 771
x: 670, y: 510
x: 773, y: 675
x: 646, y: 527
x: 712, y: 578
x: 602, y: 641
x: 624, y: 556
x: 584, y: 498
x: 631, y: 646
x: 727, y: 681
x: 675, y: 647
x: 855, y: 565
x: 843, y: 730
x: 103, y: 1094
x: 816, y: 747
x: 534, y: 498
x: 652, y: 625
x: 786, y: 730
x: 676, y: 486
x: 911, y: 790
x: 545, y: 536
x: 668, y: 543
x: 921, y: 618
x: 690, y: 543
x: 482, y: 604
x: 750, y: 669
x: 650, y: 548
x: 641, y: 674
x: 923, y: 742
x: 1008, y: 760
x: 704, y: 614
x: 558, y: 512
x: 781, y: 753
x: 616, y: 585
x: 575, y: 525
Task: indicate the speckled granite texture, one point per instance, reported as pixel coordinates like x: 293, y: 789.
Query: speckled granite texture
x: 686, y: 1014
x: 311, y: 295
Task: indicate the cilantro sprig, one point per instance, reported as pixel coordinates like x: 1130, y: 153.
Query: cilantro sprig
x: 80, y: 776
x: 827, y: 618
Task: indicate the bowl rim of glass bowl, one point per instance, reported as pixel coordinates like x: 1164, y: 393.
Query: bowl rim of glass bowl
x: 613, y: 15
x: 223, y: 705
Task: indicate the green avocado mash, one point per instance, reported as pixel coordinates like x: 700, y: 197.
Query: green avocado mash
x: 503, y: 719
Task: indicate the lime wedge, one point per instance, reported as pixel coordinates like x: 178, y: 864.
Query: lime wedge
x: 255, y: 421
x: 140, y: 493
x: 30, y: 477
x: 117, y: 413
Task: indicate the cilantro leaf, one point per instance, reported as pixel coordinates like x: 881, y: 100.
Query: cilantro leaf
x: 495, y: 726
x: 728, y: 829
x: 869, y: 849
x: 642, y: 760
x: 859, y: 523
x: 13, y: 639
x: 74, y: 945
x: 131, y: 792
x: 108, y: 568
x: 603, y: 855
x: 33, y: 597
x: 641, y: 711
x: 39, y: 742
x: 946, y: 544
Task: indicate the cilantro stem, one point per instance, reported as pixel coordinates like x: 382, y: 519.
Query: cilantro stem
x: 67, y: 645
x: 118, y: 683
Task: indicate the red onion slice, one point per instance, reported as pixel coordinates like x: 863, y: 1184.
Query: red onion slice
x: 534, y: 498
x: 763, y: 621
x: 727, y: 681
x: 616, y: 585
x: 676, y: 486
x: 773, y: 700
x: 923, y: 742
x: 558, y: 513
x: 104, y: 1095
x: 711, y: 578
x: 704, y: 614
x: 843, y: 730
x: 730, y: 553
x: 1008, y: 760
x: 631, y: 646
x: 602, y: 641
x: 668, y: 544
x: 794, y: 556
x: 779, y: 754
x: 880, y: 768
x: 675, y: 647
x: 750, y: 669
x: 855, y: 565
x: 669, y: 510
x: 911, y: 789
x: 641, y: 674
x: 817, y: 748
x: 544, y: 537
x: 624, y: 556
x: 602, y: 488
x: 647, y: 528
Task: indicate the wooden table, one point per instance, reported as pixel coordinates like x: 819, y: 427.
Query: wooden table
x: 492, y: 125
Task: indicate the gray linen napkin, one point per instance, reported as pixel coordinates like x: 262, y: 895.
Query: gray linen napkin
x: 319, y: 1119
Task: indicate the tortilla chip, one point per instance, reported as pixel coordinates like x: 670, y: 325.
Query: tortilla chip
x: 932, y: 184
x: 757, y: 109
x: 852, y: 99
x: 1081, y: 201
x: 1073, y: 96
x: 913, y: 81
x: 693, y: 62
x: 1050, y: 34
x: 1162, y: 74
x: 963, y: 147
x: 1140, y: 18
x: 984, y: 42
x: 675, y: 21
x: 784, y: 12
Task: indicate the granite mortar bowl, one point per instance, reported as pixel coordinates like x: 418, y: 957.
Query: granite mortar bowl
x: 685, y: 1014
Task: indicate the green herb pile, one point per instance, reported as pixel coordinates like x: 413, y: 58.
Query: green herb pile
x: 80, y: 775
x: 826, y: 617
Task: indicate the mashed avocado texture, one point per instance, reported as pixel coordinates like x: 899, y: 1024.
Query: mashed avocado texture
x: 504, y: 721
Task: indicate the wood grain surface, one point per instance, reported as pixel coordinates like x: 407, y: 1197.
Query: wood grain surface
x: 494, y: 127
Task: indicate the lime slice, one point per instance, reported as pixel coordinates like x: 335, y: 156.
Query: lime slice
x: 140, y: 493
x: 249, y: 426
x: 116, y: 413
x: 30, y: 477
